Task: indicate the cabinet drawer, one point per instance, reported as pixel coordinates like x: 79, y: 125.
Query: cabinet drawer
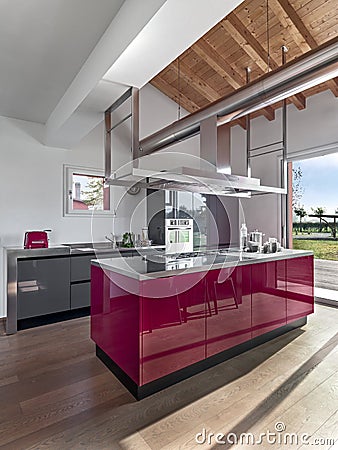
x: 43, y: 287
x: 80, y: 267
x: 79, y: 295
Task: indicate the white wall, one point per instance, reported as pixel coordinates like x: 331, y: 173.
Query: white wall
x: 31, y: 183
x: 31, y: 186
x: 315, y: 126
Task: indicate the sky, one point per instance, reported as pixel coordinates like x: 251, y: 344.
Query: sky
x: 320, y: 182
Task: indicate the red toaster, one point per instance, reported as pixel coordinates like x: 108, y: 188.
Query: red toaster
x: 36, y: 239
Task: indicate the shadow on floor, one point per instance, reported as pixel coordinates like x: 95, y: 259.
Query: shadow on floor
x: 271, y: 402
x: 165, y: 403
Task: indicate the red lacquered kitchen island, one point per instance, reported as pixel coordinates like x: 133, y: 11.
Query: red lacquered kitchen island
x: 155, y: 324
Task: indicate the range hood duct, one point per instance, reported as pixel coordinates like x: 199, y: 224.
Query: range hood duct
x: 307, y: 71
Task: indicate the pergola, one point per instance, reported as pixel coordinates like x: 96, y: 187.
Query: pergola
x: 332, y: 225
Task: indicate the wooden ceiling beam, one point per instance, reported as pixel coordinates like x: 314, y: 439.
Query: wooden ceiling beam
x: 241, y: 122
x: 269, y: 113
x: 289, y: 23
x: 287, y: 15
x: 174, y: 94
x: 297, y: 22
x: 333, y: 86
x: 195, y: 81
x: 216, y: 62
x: 299, y: 100
x: 248, y: 42
x: 242, y: 42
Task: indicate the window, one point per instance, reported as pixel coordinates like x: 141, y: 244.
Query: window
x: 84, y: 192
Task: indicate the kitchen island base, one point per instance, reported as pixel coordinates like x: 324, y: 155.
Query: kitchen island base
x: 154, y: 326
x: 141, y: 392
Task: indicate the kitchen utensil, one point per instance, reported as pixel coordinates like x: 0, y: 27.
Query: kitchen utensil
x: 266, y: 247
x: 256, y: 236
x: 273, y: 245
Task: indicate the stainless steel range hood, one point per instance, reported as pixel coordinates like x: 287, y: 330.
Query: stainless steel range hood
x: 212, y: 177
x: 307, y: 71
x: 194, y: 180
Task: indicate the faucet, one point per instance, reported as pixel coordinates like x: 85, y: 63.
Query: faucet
x: 112, y: 239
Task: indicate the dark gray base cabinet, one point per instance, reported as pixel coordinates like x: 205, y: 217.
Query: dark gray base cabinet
x: 43, y: 286
x: 48, y: 285
x: 80, y: 277
x: 80, y: 295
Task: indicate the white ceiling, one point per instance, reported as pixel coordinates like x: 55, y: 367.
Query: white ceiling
x: 43, y: 45
x: 63, y: 62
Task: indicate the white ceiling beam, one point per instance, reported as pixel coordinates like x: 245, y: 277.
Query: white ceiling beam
x: 143, y: 38
x: 175, y: 27
x: 126, y: 25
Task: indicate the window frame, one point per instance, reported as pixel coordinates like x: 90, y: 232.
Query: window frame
x: 68, y: 211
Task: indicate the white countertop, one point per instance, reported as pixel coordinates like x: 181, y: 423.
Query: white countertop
x: 64, y: 249
x: 150, y: 267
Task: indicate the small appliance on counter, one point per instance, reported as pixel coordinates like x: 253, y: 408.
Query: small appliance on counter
x: 36, y: 239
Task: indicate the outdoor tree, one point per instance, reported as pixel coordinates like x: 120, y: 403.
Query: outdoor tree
x: 301, y: 213
x: 319, y: 211
x: 297, y: 187
x: 93, y: 193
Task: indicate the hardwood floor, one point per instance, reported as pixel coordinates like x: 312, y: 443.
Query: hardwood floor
x: 55, y: 394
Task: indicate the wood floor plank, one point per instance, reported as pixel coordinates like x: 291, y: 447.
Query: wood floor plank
x: 311, y: 411
x: 326, y: 433
x: 51, y: 397
x: 256, y: 406
x: 8, y: 380
x: 65, y: 398
x: 43, y: 417
x: 53, y: 436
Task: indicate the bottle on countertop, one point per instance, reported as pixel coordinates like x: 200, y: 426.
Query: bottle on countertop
x: 145, y: 234
x: 243, y: 237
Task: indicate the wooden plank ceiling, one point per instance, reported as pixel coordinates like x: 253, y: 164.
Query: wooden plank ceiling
x: 216, y: 64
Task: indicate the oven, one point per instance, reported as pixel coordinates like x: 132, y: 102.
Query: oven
x: 179, y: 235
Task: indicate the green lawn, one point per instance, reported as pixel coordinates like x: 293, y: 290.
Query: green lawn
x: 322, y: 249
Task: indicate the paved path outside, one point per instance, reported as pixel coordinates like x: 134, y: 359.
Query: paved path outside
x: 326, y: 274
x: 324, y: 236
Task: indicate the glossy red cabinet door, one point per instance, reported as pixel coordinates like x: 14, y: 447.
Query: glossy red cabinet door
x: 173, y: 324
x: 228, y: 309
x: 268, y: 296
x: 115, y: 318
x: 300, y: 299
